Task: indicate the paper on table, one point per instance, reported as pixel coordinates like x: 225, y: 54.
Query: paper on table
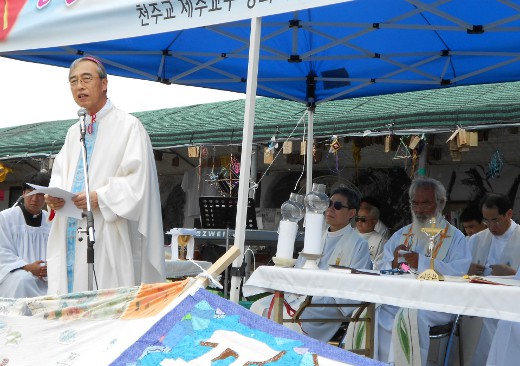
x: 69, y: 209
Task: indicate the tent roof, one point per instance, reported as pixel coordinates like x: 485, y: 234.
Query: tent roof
x: 429, y: 111
x: 344, y: 50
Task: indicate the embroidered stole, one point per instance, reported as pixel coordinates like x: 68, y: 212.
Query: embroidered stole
x: 78, y: 185
x: 405, y: 333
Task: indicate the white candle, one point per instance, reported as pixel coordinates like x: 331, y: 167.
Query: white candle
x: 313, y: 233
x: 286, y: 237
x: 174, y: 247
x: 190, y: 252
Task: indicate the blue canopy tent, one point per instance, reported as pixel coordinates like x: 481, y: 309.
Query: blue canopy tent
x: 308, y: 51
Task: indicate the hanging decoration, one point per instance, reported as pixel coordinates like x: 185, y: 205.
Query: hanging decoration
x: 272, y: 145
x: 414, y: 163
x: 356, y: 154
x: 193, y: 151
x: 496, y: 163
x: 334, y: 145
x: 270, y: 149
x: 287, y: 147
x: 460, y: 141
x: 389, y: 138
x: 332, y: 157
x: 228, y: 177
x: 4, y: 171
x: 402, y: 151
x: 212, y: 175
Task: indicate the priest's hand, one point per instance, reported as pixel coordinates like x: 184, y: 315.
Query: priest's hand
x: 412, y: 259
x: 502, y: 270
x: 54, y: 203
x: 476, y: 269
x: 395, y: 262
x: 80, y: 200
x: 38, y: 269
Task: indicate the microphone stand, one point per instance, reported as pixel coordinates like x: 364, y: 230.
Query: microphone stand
x: 88, y: 214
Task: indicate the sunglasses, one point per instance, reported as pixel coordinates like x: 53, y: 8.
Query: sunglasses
x: 337, y: 205
x: 360, y: 218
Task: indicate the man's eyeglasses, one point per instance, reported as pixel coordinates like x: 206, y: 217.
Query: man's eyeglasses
x: 337, y: 205
x: 492, y: 222
x: 85, y: 79
x: 360, y: 219
x: 424, y: 205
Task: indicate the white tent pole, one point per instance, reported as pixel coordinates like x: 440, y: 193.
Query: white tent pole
x: 308, y: 156
x: 254, y: 170
x: 245, y: 159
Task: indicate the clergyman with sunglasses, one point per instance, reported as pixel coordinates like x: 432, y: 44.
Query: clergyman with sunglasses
x: 496, y: 251
x: 342, y: 245
x: 366, y: 220
x: 124, y: 194
x: 410, y: 244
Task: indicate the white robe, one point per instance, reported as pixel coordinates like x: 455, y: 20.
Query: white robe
x: 382, y: 229
x: 344, y: 247
x: 489, y: 249
x: 376, y: 244
x: 505, y: 349
x: 129, y: 246
x: 21, y: 244
x: 455, y: 262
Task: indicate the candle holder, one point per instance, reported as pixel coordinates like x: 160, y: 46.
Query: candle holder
x: 316, y: 202
x: 310, y: 260
x: 431, y: 274
x: 292, y: 212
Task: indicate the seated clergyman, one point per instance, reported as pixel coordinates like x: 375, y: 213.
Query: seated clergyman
x: 24, y: 230
x: 342, y: 245
x: 496, y: 251
x: 410, y: 244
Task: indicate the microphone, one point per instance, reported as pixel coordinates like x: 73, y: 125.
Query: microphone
x: 82, y: 112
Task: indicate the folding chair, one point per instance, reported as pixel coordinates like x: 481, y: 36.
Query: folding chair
x: 355, y: 317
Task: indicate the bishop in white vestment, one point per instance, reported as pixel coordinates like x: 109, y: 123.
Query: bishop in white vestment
x: 124, y: 192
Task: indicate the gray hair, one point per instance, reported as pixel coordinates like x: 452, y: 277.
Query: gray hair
x: 373, y: 211
x: 102, y: 73
x: 435, y: 185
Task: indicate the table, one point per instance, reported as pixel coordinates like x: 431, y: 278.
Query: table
x: 454, y: 295
x: 183, y: 268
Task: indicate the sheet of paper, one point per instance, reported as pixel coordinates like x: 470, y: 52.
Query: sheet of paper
x: 69, y: 209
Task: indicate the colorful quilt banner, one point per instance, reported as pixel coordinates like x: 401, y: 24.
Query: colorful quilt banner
x: 152, y: 325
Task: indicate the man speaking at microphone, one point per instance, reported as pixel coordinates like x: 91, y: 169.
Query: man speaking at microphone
x: 124, y: 194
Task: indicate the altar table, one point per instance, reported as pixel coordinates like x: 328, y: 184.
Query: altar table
x: 454, y: 295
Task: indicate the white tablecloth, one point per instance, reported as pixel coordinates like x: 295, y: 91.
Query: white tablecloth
x: 450, y: 296
x: 180, y: 268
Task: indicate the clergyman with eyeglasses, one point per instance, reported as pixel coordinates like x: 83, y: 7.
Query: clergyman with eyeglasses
x: 366, y: 220
x: 410, y: 244
x: 496, y: 251
x: 124, y: 194
x: 342, y: 246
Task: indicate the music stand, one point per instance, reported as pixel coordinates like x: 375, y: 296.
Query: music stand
x: 221, y: 213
